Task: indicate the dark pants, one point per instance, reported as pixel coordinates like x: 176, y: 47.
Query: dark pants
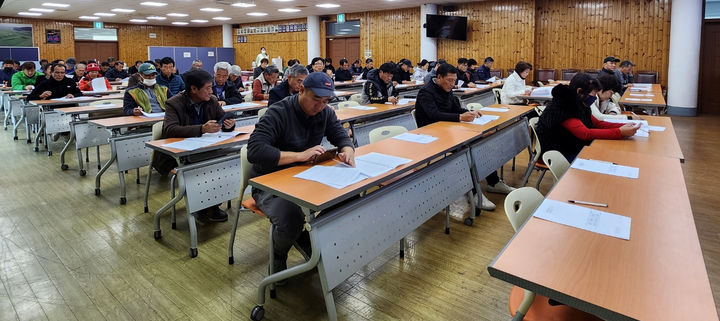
x: 287, y: 217
x: 493, y: 178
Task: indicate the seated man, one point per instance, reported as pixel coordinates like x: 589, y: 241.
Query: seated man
x: 104, y: 68
x: 70, y: 66
x: 168, y: 78
x: 343, y: 72
x: 147, y: 96
x: 259, y: 69
x: 483, y: 73
x: 463, y: 75
x: 290, y: 133
x: 57, y: 86
x: 367, y: 68
x: 262, y: 85
x: 7, y: 72
x: 225, y: 91
x: 626, y: 75
x: 294, y: 78
x: 235, y: 77
x: 80, y: 71
x: 117, y: 73
x: 379, y: 89
x: 472, y: 69
x: 402, y: 73
x: 609, y: 66
x: 27, y: 77
x: 86, y: 82
x: 436, y: 102
x: 433, y: 70
x: 134, y: 68
x: 191, y: 113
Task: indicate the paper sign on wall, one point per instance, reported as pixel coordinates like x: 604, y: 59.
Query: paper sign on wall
x: 153, y: 35
x: 211, y: 54
x: 186, y: 54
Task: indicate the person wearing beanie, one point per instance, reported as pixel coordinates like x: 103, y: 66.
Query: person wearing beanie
x: 93, y: 71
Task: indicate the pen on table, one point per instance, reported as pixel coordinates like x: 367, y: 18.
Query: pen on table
x: 588, y: 203
x: 595, y: 160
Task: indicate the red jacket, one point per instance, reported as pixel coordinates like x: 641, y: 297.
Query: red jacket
x: 86, y: 84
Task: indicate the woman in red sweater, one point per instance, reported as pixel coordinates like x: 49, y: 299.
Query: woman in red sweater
x: 93, y: 71
x: 567, y: 124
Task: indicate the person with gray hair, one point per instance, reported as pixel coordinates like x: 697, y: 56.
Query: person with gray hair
x: 225, y: 91
x: 264, y: 83
x: 236, y: 77
x: 294, y: 76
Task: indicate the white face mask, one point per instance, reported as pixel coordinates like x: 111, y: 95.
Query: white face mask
x: 262, y: 51
x: 149, y: 82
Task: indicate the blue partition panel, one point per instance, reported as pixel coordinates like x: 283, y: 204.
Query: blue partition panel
x: 25, y: 53
x: 160, y: 52
x: 184, y: 57
x: 208, y: 56
x: 226, y: 54
x: 5, y: 53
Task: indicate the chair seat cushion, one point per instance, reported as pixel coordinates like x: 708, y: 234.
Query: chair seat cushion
x: 249, y: 203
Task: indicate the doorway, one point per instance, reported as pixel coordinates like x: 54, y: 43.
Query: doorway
x: 343, y: 47
x: 709, y: 73
x: 99, y: 50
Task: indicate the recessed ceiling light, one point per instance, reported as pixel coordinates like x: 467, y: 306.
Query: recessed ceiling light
x: 156, y: 18
x: 211, y: 9
x: 179, y: 23
x: 56, y: 5
x: 283, y: 0
x: 288, y: 10
x: 29, y: 13
x: 257, y: 14
x: 89, y: 17
x: 138, y: 20
x: 199, y: 21
x: 327, y: 5
x: 173, y: 14
x: 103, y: 14
x: 123, y: 10
x: 41, y: 10
x: 153, y: 4
x: 221, y: 18
x: 243, y: 4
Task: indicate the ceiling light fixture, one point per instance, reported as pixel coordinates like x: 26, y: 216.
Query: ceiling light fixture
x: 153, y: 4
x: 103, y: 14
x: 173, y: 14
x: 257, y: 14
x: 288, y: 10
x: 211, y: 9
x: 123, y: 10
x: 56, y: 5
x: 156, y: 18
x: 138, y: 20
x: 247, y: 4
x: 327, y: 5
x: 182, y: 23
x: 221, y: 18
x: 29, y: 13
x: 41, y: 10
x: 199, y: 21
x: 89, y: 17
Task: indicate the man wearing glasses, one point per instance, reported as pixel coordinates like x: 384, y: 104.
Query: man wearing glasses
x: 57, y: 86
x: 290, y: 133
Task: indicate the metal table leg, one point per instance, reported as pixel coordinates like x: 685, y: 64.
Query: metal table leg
x: 113, y: 157
x: 64, y: 166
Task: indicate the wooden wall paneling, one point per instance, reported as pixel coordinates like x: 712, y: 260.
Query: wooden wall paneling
x: 288, y: 45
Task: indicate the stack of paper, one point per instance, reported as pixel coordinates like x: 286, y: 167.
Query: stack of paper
x: 415, y: 138
x: 642, y: 95
x: 206, y: 139
x: 492, y: 79
x: 585, y: 218
x: 638, y: 99
x: 643, y: 124
x: 73, y: 98
x: 362, y: 107
x: 542, y: 92
x: 482, y: 120
x: 342, y: 175
x: 642, y: 85
x: 98, y: 84
x: 240, y: 105
x: 607, y: 168
x: 460, y: 83
x: 406, y: 101
x: 499, y: 110
x: 153, y: 115
x: 482, y: 86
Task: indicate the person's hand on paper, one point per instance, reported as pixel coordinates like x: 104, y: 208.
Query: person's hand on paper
x: 45, y: 94
x: 393, y: 100
x: 221, y: 103
x: 210, y: 127
x: 395, y: 83
x: 266, y: 96
x: 477, y: 113
x: 528, y: 92
x: 29, y: 87
x: 347, y: 155
x: 628, y: 85
x: 472, y: 85
x: 69, y: 96
x: 310, y: 153
x: 229, y: 123
x: 629, y: 129
x: 467, y: 116
x: 137, y: 111
x: 118, y: 79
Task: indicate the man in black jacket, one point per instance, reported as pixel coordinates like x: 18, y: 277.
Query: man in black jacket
x: 367, y: 68
x: 294, y: 77
x: 57, y: 86
x: 343, y: 72
x: 402, y: 73
x: 290, y: 133
x: 379, y: 89
x: 435, y: 102
x: 225, y: 91
x: 463, y: 75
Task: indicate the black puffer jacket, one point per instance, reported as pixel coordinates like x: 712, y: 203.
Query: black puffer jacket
x: 375, y: 90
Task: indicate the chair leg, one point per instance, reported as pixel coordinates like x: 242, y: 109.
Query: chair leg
x: 147, y: 185
x: 87, y: 154
x: 271, y: 252
x: 402, y: 248
x: 542, y: 173
x: 513, y: 165
x: 231, y: 259
x: 527, y: 301
x: 172, y: 196
x: 447, y: 220
x: 97, y: 151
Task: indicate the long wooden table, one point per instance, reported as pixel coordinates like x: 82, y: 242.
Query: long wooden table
x: 664, y: 143
x: 659, y: 274
x: 654, y: 94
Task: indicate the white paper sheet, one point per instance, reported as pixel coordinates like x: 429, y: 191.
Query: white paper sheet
x: 542, y: 92
x: 482, y: 86
x: 98, y: 84
x: 643, y: 124
x: 73, y: 98
x: 206, y: 139
x: 404, y: 101
x: 482, y: 120
x: 642, y: 133
x: 585, y: 218
x: 374, y: 164
x: 335, y: 176
x: 642, y: 95
x: 492, y: 79
x: 495, y: 109
x: 637, y: 89
x: 415, y: 138
x: 362, y: 107
x: 153, y: 115
x: 655, y: 128
x: 460, y: 83
x: 607, y: 168
x: 642, y: 85
x: 240, y: 105
x: 638, y: 99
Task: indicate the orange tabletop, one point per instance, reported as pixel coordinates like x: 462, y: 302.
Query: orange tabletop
x: 417, y: 84
x: 349, y: 114
x: 349, y: 83
x: 258, y: 104
x: 515, y: 112
x: 664, y: 143
x: 477, y: 90
x: 239, y: 139
x: 77, y: 100
x: 125, y: 121
x: 316, y: 196
x: 659, y: 274
x: 340, y: 93
x: 89, y: 109
x: 102, y: 93
x: 631, y: 96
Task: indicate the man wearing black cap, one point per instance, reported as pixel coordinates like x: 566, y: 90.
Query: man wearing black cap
x: 290, y: 133
x: 402, y: 73
x: 609, y: 66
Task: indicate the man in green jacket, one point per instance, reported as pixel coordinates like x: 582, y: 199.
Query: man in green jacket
x: 25, y: 80
x: 147, y: 96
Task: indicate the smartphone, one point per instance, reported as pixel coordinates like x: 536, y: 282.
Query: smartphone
x: 327, y: 155
x: 224, y: 117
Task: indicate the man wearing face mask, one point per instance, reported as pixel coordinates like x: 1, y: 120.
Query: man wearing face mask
x: 7, y: 72
x: 147, y: 96
x: 260, y: 56
x: 295, y: 76
x: 515, y: 85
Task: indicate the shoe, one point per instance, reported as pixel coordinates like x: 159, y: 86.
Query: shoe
x: 303, y: 244
x: 486, y: 204
x: 500, y: 188
x: 215, y: 214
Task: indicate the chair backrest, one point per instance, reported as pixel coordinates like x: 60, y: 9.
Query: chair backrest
x: 384, y: 132
x: 248, y: 98
x: 557, y: 163
x: 539, y: 83
x: 536, y: 151
x: 261, y: 112
x: 520, y: 204
x: 497, y: 92
x: 539, y: 109
x: 497, y: 73
x: 474, y: 106
x: 246, y: 167
x: 510, y: 71
x: 592, y: 72
x: 647, y: 76
x: 346, y: 104
x: 356, y: 97
x: 616, y: 98
x: 568, y: 74
x: 107, y: 102
x: 545, y: 75
x: 413, y: 116
x: 157, y: 130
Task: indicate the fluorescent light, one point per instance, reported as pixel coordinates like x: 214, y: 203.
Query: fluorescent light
x: 288, y: 10
x: 123, y: 10
x: 327, y: 5
x: 41, y: 10
x: 103, y: 14
x: 56, y: 5
x: 138, y: 20
x: 89, y: 17
x: 243, y: 4
x: 156, y: 18
x: 221, y: 18
x: 211, y: 9
x: 199, y: 21
x: 29, y: 13
x: 283, y: 0
x: 179, y: 23
x: 153, y: 4
x: 257, y: 14
x: 173, y: 14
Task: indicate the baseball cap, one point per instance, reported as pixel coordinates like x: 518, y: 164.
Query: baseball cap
x: 147, y: 68
x: 611, y: 58
x: 92, y: 67
x: 320, y: 84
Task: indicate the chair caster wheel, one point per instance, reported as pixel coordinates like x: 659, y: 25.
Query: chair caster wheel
x: 157, y: 235
x: 273, y: 293
x: 146, y: 209
x: 82, y: 172
x: 29, y: 141
x: 478, y: 211
x: 15, y: 138
x: 97, y: 191
x: 257, y: 313
x: 123, y: 201
x: 193, y: 252
x: 174, y: 226
x: 36, y: 149
x: 231, y: 260
x: 137, y: 181
x: 447, y: 230
x: 468, y: 221
x: 64, y: 167
x: 49, y: 153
